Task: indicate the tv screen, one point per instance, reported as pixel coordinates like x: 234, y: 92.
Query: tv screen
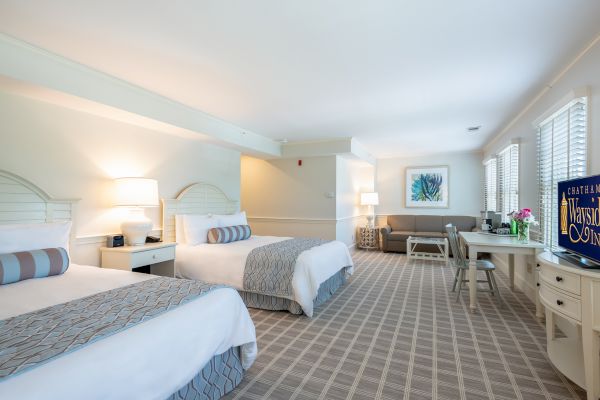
x: 579, y: 216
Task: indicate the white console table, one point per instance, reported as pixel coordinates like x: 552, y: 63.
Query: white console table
x: 572, y: 293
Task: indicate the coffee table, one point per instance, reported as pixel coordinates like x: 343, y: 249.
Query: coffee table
x: 442, y: 244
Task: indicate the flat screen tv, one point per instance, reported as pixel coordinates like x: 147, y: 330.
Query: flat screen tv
x: 579, y: 217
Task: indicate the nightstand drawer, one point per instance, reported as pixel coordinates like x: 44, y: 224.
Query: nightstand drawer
x: 153, y: 256
x: 561, y: 279
x: 560, y: 303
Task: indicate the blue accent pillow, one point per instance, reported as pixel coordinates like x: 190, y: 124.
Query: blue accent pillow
x: 229, y: 234
x: 18, y: 266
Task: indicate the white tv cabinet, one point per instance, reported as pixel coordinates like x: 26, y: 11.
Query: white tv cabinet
x: 573, y: 293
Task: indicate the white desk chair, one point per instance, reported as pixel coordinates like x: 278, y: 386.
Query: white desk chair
x: 462, y: 266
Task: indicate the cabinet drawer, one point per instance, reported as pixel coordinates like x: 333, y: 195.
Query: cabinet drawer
x: 559, y: 302
x: 148, y: 257
x: 560, y: 279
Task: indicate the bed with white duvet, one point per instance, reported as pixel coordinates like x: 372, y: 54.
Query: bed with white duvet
x: 225, y: 263
x: 186, y: 343
x: 312, y: 274
x: 151, y: 360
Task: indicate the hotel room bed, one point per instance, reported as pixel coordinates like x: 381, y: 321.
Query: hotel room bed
x: 154, y: 337
x: 151, y: 360
x: 320, y: 268
x: 318, y: 272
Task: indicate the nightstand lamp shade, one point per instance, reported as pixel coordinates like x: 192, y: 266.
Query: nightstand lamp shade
x: 136, y: 193
x: 369, y: 199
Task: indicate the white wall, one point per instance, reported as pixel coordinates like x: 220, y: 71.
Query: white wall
x: 71, y: 154
x: 319, y: 198
x: 282, y: 198
x: 353, y: 176
x: 465, y: 184
x: 583, y: 73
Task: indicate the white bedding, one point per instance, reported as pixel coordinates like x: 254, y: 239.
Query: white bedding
x: 225, y: 263
x: 148, y: 361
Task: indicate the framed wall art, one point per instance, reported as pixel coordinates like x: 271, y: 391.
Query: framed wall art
x: 427, y: 187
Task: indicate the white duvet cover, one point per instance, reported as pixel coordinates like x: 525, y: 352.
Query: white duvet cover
x: 148, y: 361
x: 225, y: 263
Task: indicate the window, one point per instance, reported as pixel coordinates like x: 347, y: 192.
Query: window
x: 489, y: 191
x: 508, y: 181
x: 501, y: 186
x: 562, y: 149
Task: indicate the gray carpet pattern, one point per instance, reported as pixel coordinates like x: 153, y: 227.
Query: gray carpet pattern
x: 395, y: 331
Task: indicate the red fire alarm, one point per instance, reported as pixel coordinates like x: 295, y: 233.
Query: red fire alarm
x: 299, y: 163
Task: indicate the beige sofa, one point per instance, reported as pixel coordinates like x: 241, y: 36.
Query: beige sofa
x: 400, y: 227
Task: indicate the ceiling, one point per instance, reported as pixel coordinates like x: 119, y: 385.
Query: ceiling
x: 403, y: 77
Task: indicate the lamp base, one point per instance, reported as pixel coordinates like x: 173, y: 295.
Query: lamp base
x: 136, y: 229
x: 370, y: 221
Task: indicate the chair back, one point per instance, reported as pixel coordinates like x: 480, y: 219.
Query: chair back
x: 457, y: 253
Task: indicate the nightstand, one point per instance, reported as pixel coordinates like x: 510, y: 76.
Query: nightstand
x: 160, y: 256
x: 368, y: 238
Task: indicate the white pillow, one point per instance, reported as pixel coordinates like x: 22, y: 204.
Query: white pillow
x: 25, y: 237
x: 232, y: 219
x: 197, y: 227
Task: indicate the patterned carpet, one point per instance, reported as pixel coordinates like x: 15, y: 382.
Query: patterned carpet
x: 396, y: 332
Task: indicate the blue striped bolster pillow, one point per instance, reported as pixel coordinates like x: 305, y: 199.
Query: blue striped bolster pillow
x: 229, y: 234
x: 15, y: 267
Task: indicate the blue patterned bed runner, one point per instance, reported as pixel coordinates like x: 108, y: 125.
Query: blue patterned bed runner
x: 31, y: 339
x: 270, y: 268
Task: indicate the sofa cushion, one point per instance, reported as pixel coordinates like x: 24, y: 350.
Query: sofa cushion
x: 399, y: 235
x: 401, y: 222
x: 430, y: 234
x: 462, y: 223
x: 429, y: 223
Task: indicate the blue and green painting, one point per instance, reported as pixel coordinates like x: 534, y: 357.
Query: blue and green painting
x: 427, y: 187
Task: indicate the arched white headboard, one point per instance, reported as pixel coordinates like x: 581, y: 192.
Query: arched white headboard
x: 22, y: 202
x: 199, y: 198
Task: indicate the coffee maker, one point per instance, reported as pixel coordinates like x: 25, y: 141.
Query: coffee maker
x: 490, y: 220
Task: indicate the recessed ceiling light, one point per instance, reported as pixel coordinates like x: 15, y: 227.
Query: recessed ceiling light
x: 474, y: 129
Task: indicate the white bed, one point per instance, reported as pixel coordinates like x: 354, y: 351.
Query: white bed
x: 225, y: 263
x: 150, y: 360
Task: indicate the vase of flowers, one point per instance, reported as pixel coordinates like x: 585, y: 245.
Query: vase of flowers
x: 523, y: 218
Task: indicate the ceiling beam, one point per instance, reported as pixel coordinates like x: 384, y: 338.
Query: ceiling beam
x: 34, y: 72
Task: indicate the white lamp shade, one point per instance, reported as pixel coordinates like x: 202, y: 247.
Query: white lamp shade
x: 136, y: 192
x: 369, y: 199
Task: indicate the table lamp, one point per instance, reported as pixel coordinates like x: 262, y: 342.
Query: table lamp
x: 136, y: 193
x: 369, y: 199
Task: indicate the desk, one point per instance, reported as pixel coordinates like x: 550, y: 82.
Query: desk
x: 489, y: 243
x: 572, y: 292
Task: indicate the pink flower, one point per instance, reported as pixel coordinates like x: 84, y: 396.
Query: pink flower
x: 524, y: 216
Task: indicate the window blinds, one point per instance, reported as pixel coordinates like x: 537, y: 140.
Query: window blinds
x: 508, y: 180
x: 562, y: 149
x: 489, y: 191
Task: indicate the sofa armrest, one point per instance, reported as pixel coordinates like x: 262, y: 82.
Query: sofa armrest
x: 386, y: 230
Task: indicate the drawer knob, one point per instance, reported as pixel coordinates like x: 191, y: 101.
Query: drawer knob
x: 154, y: 256
x: 559, y: 302
x: 537, y: 284
x: 559, y: 279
